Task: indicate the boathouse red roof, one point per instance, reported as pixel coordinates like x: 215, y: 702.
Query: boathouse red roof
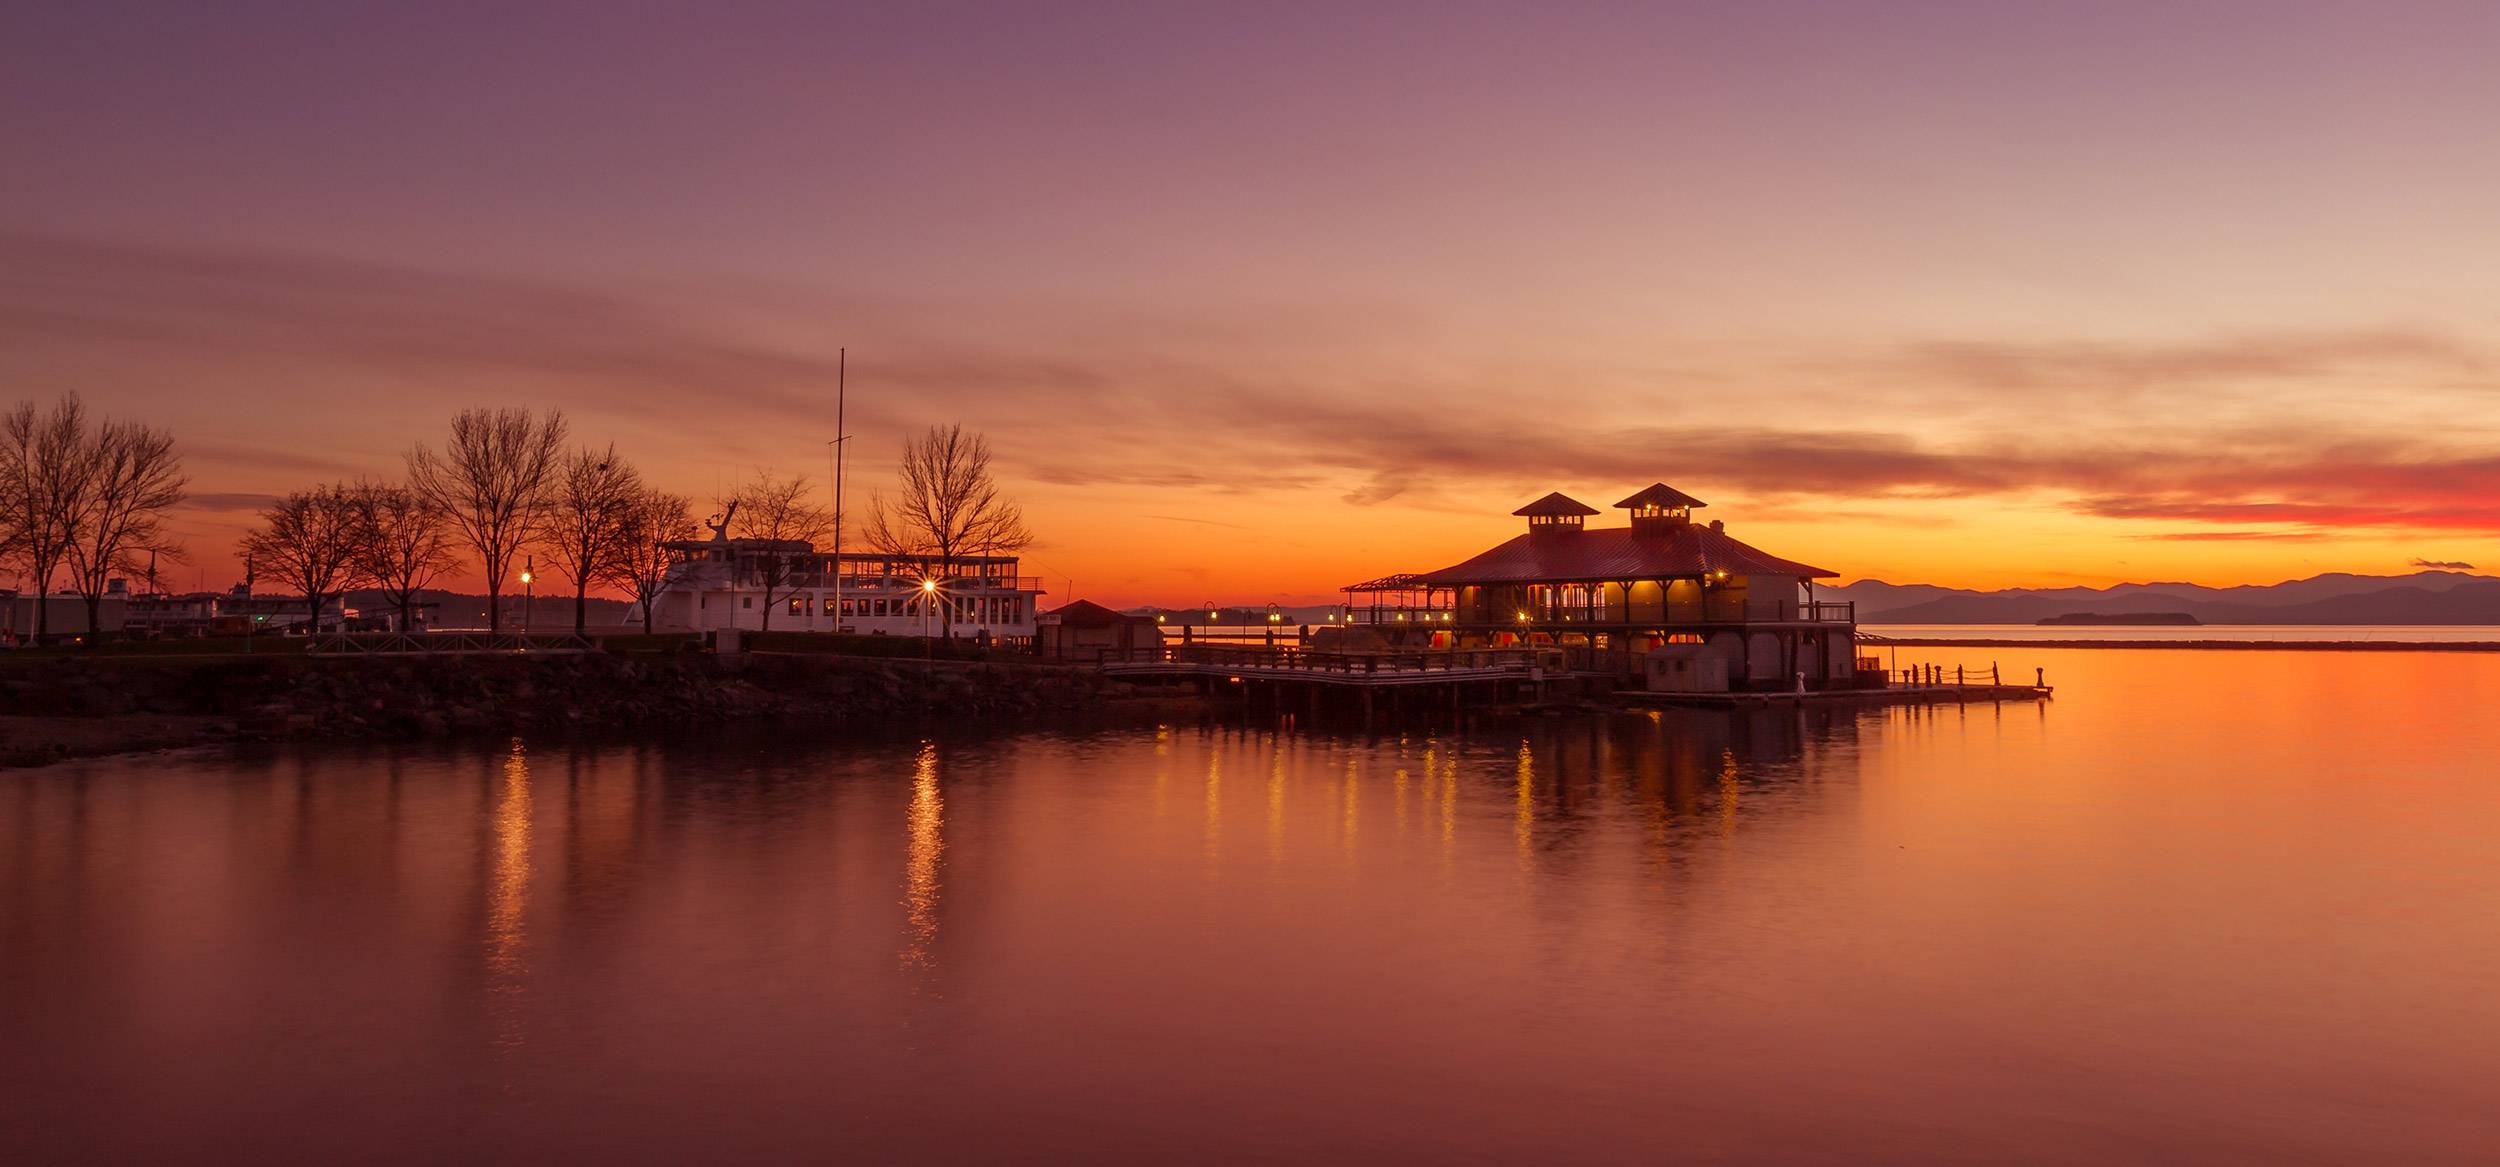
x: 1659, y: 494
x: 1556, y: 504
x: 1617, y: 553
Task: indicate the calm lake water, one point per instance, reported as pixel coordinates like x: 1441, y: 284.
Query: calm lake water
x: 2205, y: 907
x: 2299, y: 633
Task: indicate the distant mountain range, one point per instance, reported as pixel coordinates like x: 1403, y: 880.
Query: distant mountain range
x: 2427, y: 597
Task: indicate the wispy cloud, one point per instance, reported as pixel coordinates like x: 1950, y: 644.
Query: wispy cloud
x: 2442, y: 565
x: 1229, y: 418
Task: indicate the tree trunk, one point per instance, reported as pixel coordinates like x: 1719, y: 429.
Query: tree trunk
x: 494, y: 606
x: 406, y: 604
x: 95, y: 619
x: 581, y: 605
x: 768, y: 608
x: 646, y: 613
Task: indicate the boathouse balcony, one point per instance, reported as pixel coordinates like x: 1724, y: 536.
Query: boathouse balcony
x: 1606, y: 607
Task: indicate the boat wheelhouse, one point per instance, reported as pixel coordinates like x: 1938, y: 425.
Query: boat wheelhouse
x: 720, y: 583
x: 1663, y: 586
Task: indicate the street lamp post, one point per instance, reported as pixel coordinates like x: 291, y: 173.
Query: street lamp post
x: 928, y: 605
x: 529, y: 591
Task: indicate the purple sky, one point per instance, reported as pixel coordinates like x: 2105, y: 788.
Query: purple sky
x: 1974, y: 292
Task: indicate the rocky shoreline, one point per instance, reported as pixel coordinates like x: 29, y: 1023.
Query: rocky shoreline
x: 65, y: 707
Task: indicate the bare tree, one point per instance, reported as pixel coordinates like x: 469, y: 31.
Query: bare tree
x: 651, y: 519
x: 131, y: 477
x: 402, y: 545
x: 492, y: 483
x: 43, y: 480
x: 778, y: 512
x: 947, y: 505
x: 584, y: 523
x: 313, y: 541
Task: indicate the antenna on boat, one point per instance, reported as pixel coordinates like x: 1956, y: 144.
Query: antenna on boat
x: 841, y: 394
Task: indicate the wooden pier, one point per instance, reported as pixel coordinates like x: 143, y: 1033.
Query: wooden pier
x: 1454, y: 678
x: 1891, y: 695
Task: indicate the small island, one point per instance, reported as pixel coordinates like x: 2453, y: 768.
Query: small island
x: 2122, y: 618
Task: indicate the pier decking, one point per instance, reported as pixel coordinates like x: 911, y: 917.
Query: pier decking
x: 1453, y: 676
x: 1897, y: 695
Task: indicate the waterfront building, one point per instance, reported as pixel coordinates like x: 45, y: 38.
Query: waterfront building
x: 721, y: 583
x: 63, y: 614
x: 237, y: 611
x: 1623, y: 599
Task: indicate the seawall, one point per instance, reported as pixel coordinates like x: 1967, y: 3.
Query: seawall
x: 66, y: 706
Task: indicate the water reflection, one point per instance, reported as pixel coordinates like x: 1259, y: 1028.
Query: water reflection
x: 1350, y: 793
x: 719, y: 948
x: 925, y: 824
x: 507, y: 900
x: 1523, y: 818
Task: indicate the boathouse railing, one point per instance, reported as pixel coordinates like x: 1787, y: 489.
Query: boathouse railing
x: 1668, y: 615
x: 1931, y: 676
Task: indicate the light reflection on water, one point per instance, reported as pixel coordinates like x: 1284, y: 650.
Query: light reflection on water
x: 927, y: 821
x: 507, y: 965
x: 2203, y: 907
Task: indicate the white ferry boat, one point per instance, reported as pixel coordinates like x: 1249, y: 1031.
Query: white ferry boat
x: 722, y: 583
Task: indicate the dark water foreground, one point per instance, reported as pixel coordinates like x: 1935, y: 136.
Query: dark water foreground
x: 2195, y: 910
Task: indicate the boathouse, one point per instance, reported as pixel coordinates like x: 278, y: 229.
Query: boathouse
x: 1663, y: 594
x: 1087, y: 631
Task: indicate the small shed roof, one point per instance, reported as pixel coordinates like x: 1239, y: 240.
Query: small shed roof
x: 1659, y: 494
x: 1088, y: 614
x: 1556, y: 503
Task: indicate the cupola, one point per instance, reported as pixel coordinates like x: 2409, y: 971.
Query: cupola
x: 1555, y: 513
x: 1660, y: 508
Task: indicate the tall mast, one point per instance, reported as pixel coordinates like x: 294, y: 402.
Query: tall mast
x: 841, y: 370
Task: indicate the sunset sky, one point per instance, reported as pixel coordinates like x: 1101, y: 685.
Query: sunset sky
x: 1258, y: 300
